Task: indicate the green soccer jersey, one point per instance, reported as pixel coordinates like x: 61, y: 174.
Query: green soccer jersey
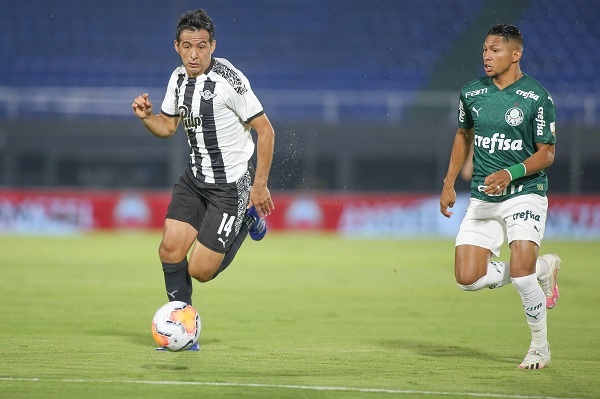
x: 507, y: 123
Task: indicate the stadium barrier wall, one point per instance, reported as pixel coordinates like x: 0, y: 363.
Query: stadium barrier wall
x: 377, y: 215
x: 354, y: 157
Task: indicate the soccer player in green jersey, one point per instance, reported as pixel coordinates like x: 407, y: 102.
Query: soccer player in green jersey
x: 509, y: 119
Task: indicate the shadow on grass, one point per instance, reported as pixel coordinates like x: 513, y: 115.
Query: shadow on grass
x: 436, y: 350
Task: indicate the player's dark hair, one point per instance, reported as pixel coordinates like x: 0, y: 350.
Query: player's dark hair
x: 508, y: 32
x: 195, y: 20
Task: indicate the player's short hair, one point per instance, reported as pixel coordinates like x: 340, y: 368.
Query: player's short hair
x: 508, y: 32
x: 195, y: 20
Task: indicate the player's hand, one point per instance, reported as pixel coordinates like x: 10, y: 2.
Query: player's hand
x: 496, y: 182
x: 447, y: 200
x: 261, y: 199
x: 142, y: 107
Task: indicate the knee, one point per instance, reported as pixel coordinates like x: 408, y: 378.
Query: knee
x: 468, y: 274
x: 170, y: 253
x: 470, y: 266
x: 201, y: 271
x: 202, y: 275
x: 470, y: 285
x: 464, y: 287
x: 204, y: 263
x: 466, y: 282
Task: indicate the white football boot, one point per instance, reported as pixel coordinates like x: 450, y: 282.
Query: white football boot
x: 536, y: 358
x: 548, y: 282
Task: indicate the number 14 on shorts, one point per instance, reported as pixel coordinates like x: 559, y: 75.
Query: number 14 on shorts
x: 226, y: 224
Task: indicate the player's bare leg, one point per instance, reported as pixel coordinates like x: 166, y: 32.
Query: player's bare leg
x: 474, y: 270
x: 204, y: 262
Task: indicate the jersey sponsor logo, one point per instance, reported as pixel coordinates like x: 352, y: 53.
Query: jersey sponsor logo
x: 498, y: 142
x: 528, y: 94
x: 526, y: 216
x: 461, y: 112
x: 190, y: 121
x: 477, y: 92
x: 540, y: 123
x: 514, y: 116
x: 476, y: 110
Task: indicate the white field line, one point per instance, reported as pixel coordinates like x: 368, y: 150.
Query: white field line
x: 283, y: 386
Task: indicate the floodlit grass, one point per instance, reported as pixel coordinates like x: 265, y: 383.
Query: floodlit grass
x: 295, y: 316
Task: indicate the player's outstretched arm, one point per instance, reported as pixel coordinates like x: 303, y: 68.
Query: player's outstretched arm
x: 260, y: 195
x: 159, y: 125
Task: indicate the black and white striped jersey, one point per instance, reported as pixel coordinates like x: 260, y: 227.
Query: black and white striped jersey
x: 215, y: 109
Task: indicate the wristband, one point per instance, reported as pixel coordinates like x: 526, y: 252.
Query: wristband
x: 516, y: 171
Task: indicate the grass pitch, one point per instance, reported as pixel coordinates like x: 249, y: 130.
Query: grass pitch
x: 295, y: 316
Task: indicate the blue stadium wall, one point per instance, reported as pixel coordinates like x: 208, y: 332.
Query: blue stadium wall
x: 339, y: 46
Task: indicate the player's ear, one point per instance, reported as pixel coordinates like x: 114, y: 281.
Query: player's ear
x: 213, y: 46
x: 176, y: 44
x: 517, y: 55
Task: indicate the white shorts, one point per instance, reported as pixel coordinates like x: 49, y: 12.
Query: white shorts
x: 519, y: 218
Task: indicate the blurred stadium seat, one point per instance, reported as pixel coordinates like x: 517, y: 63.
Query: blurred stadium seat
x: 387, y: 44
x: 561, y: 40
x: 330, y: 44
x: 327, y: 68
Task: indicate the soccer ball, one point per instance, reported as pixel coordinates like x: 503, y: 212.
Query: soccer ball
x: 176, y: 326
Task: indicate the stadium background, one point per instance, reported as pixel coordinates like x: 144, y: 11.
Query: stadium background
x: 362, y: 95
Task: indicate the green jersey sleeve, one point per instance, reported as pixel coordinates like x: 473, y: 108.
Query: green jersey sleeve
x: 465, y: 121
x: 544, y: 124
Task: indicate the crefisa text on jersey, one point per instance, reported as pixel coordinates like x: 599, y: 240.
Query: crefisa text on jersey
x: 504, y: 144
x: 540, y: 122
x: 528, y: 94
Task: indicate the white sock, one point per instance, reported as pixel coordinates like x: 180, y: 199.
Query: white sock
x: 498, y: 274
x: 534, y: 305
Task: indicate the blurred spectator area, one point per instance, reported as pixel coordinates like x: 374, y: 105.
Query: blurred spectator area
x: 386, y: 48
x: 327, y: 44
x: 338, y: 78
x: 292, y: 44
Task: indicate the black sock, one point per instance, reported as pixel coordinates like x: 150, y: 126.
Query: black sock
x: 232, y: 251
x: 178, y: 281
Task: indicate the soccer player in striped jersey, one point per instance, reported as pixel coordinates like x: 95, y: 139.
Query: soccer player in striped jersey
x: 209, y: 204
x: 508, y: 118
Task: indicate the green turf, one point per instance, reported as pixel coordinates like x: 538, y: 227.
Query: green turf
x: 295, y: 316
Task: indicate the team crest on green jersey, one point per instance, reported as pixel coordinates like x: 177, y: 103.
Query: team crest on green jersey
x: 514, y: 116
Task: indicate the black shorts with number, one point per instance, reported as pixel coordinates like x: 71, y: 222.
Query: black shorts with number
x: 216, y: 211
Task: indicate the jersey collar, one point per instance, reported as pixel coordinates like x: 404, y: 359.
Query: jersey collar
x: 516, y: 83
x: 210, y: 66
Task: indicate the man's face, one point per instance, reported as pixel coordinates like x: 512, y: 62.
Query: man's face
x: 499, y: 55
x: 195, y: 50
